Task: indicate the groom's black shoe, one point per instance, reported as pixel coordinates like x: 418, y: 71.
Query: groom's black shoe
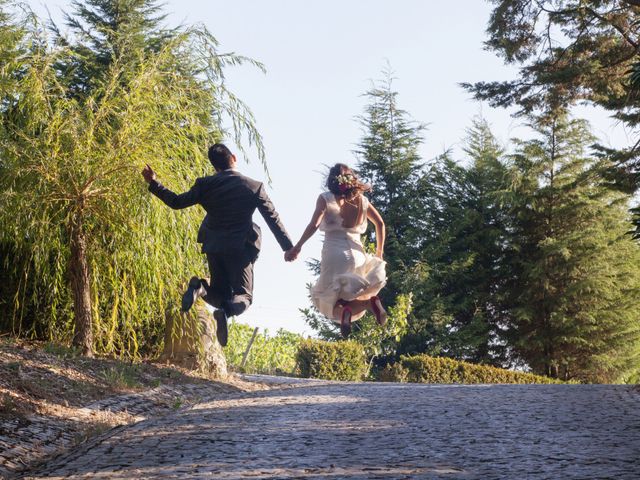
x: 196, y: 289
x: 221, y: 326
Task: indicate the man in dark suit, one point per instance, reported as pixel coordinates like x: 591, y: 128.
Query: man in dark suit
x: 228, y: 235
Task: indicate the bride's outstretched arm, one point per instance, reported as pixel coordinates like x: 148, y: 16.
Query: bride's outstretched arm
x: 316, y: 218
x: 381, y: 231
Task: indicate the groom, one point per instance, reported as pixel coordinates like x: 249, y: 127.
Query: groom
x: 228, y: 235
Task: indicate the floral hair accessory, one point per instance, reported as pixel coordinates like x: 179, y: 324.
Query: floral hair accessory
x: 346, y: 182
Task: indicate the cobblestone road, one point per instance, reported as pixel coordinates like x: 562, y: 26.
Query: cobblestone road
x: 368, y: 431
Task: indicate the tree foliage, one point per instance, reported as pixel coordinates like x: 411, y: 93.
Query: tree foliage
x: 574, y: 270
x: 568, y: 52
x: 459, y: 274
x: 388, y: 159
x: 269, y: 354
x: 491, y: 281
x: 103, y: 31
x: 85, y: 243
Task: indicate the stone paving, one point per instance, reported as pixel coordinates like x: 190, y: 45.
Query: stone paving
x: 27, y: 441
x: 371, y: 430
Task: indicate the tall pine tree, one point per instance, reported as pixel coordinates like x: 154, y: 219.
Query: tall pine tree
x: 568, y: 52
x: 105, y: 32
x: 575, y: 271
x: 457, y: 308
x: 388, y: 158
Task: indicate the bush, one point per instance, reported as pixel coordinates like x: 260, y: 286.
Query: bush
x: 269, y: 354
x: 393, y: 373
x: 426, y: 369
x: 344, y: 360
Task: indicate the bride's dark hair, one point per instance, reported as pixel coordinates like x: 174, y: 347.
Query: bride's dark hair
x: 342, y: 181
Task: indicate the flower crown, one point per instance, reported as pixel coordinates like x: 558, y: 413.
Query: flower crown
x: 346, y: 182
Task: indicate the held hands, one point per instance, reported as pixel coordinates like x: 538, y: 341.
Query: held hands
x: 148, y: 174
x: 291, y: 254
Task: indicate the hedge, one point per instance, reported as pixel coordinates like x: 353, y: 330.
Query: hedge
x: 344, y: 360
x: 426, y: 369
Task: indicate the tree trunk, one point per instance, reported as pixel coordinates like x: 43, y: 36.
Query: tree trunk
x: 80, y: 286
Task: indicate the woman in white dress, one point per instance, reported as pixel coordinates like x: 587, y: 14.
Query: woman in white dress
x: 350, y: 278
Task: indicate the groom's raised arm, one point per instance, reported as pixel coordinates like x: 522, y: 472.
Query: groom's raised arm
x: 174, y: 200
x: 268, y: 212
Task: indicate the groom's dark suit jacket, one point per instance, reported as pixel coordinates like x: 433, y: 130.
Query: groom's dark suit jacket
x: 229, y: 198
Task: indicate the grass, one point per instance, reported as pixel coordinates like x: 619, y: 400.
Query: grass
x: 8, y: 406
x: 122, y: 377
x: 61, y: 351
x: 13, y: 367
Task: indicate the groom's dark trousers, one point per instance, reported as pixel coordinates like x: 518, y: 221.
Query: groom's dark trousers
x: 228, y: 235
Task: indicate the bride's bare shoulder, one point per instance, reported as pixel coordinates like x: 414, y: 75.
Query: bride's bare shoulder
x: 322, y: 199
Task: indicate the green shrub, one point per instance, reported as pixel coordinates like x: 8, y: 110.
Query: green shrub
x: 426, y: 369
x: 268, y: 354
x: 393, y: 373
x: 331, y: 360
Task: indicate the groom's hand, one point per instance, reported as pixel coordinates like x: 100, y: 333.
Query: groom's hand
x: 148, y: 174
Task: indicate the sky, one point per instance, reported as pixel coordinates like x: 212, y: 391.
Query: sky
x: 321, y: 56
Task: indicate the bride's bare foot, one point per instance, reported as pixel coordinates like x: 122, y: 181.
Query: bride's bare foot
x: 345, y: 322
x: 378, y: 310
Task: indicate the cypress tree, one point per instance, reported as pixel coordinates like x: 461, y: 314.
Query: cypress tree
x: 569, y: 52
x: 575, y: 271
x: 388, y: 158
x: 104, y: 32
x: 457, y: 310
x: 442, y: 192
x: 477, y: 244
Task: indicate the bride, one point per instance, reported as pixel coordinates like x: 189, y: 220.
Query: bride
x: 350, y: 278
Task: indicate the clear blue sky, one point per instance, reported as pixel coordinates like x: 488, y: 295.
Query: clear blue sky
x: 321, y: 56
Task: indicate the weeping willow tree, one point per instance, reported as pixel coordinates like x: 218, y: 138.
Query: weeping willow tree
x: 93, y: 259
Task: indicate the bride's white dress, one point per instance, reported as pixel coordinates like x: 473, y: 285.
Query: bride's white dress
x: 347, y: 272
